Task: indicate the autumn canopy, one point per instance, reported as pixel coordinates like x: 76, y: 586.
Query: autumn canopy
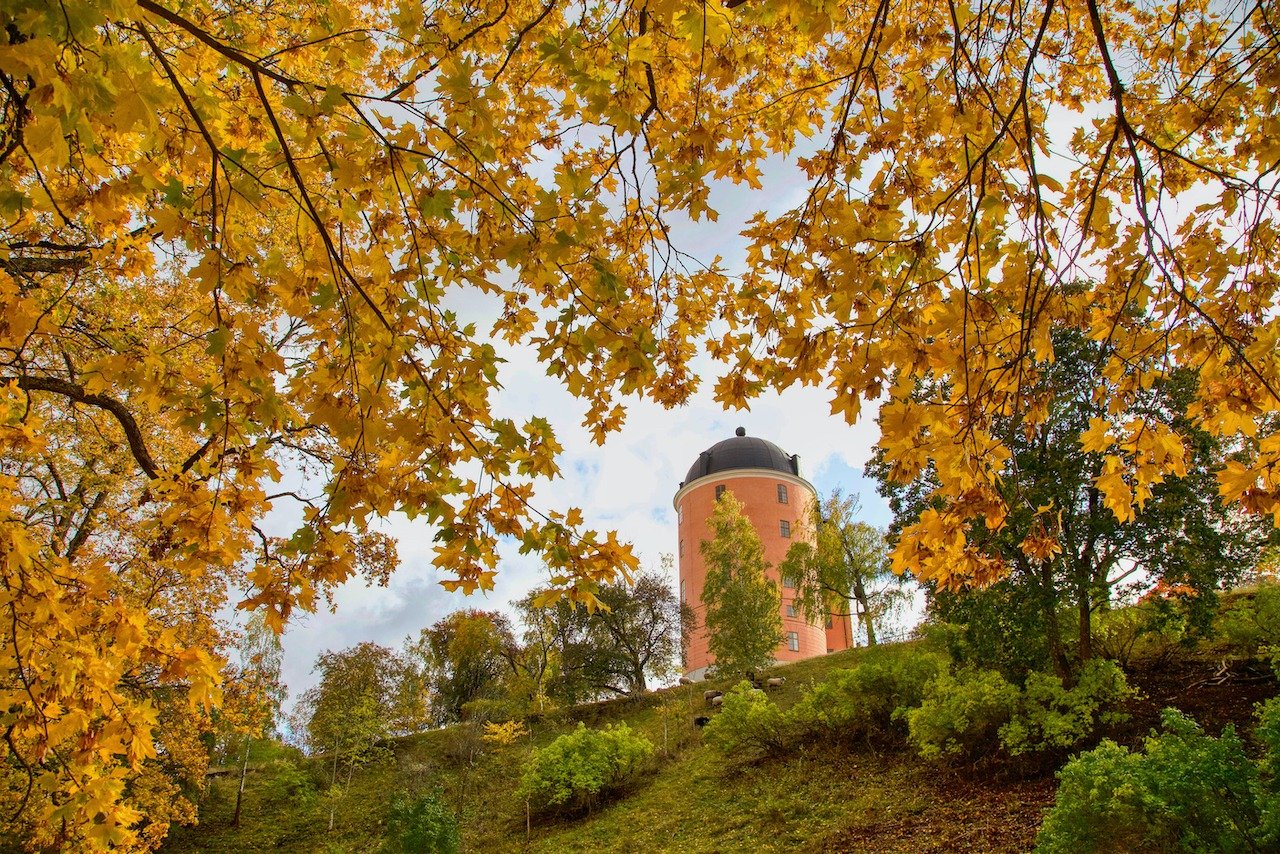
x: 231, y: 234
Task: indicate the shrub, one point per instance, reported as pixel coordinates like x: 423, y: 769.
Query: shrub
x: 1001, y: 627
x: 1153, y: 630
x: 1251, y: 623
x: 1267, y: 734
x: 423, y: 825
x: 961, y: 715
x: 867, y: 700
x: 1185, y: 792
x: 749, y: 725
x: 575, y: 769
x: 462, y: 743
x: 287, y: 783
x: 504, y: 734
x: 1048, y: 716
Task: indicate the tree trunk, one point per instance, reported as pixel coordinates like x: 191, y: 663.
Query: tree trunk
x: 864, y: 608
x: 244, y: 772
x: 333, y: 784
x: 1084, y: 610
x: 1049, y: 609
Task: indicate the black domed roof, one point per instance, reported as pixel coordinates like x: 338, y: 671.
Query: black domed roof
x: 742, y: 452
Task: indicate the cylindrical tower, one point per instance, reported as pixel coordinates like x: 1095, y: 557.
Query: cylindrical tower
x: 775, y: 498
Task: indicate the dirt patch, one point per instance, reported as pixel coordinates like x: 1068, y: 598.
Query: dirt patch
x: 1212, y: 690
x: 960, y: 813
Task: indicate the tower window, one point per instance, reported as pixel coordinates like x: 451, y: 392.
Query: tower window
x: 793, y: 641
x: 785, y: 528
x: 830, y: 622
x: 719, y: 490
x: 782, y: 493
x: 682, y: 548
x: 791, y: 609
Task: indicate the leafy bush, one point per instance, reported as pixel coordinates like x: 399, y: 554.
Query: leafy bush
x: 575, y: 769
x: 961, y: 715
x: 1251, y: 623
x: 1267, y: 735
x: 1152, y: 630
x: 1048, y: 716
x: 288, y: 783
x: 1185, y: 792
x: 422, y: 825
x: 1001, y: 627
x: 866, y: 700
x: 749, y: 725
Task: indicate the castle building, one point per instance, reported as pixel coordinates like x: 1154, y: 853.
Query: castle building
x: 776, y: 499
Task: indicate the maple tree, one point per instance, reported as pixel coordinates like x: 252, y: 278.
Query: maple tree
x: 233, y: 237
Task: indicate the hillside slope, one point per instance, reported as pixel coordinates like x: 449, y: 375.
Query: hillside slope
x: 824, y: 798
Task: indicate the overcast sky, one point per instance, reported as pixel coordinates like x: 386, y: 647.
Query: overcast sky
x: 626, y: 486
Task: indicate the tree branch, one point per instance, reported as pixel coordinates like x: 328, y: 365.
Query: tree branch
x: 77, y: 393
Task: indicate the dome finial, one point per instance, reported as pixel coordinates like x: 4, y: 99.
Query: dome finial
x: 741, y: 431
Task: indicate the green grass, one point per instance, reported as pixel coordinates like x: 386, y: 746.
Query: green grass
x: 822, y: 798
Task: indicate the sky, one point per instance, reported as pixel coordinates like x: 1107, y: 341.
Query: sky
x: 627, y: 485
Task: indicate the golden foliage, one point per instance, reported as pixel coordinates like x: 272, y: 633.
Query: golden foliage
x: 504, y: 734
x: 234, y: 242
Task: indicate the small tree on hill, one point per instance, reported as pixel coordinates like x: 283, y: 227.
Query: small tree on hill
x: 845, y: 570
x: 261, y: 659
x: 366, y: 694
x: 613, y: 650
x: 467, y: 656
x: 742, y: 604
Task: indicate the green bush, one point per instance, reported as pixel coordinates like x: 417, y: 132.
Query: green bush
x: 961, y: 715
x: 422, y: 825
x: 288, y: 783
x: 869, y: 699
x: 1267, y: 734
x: 577, y: 768
x: 1185, y: 791
x: 1048, y: 716
x: 749, y: 725
x: 1001, y: 627
x: 1251, y: 623
x: 1152, y: 630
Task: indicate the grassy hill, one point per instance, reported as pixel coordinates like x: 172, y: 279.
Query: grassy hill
x: 823, y: 798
